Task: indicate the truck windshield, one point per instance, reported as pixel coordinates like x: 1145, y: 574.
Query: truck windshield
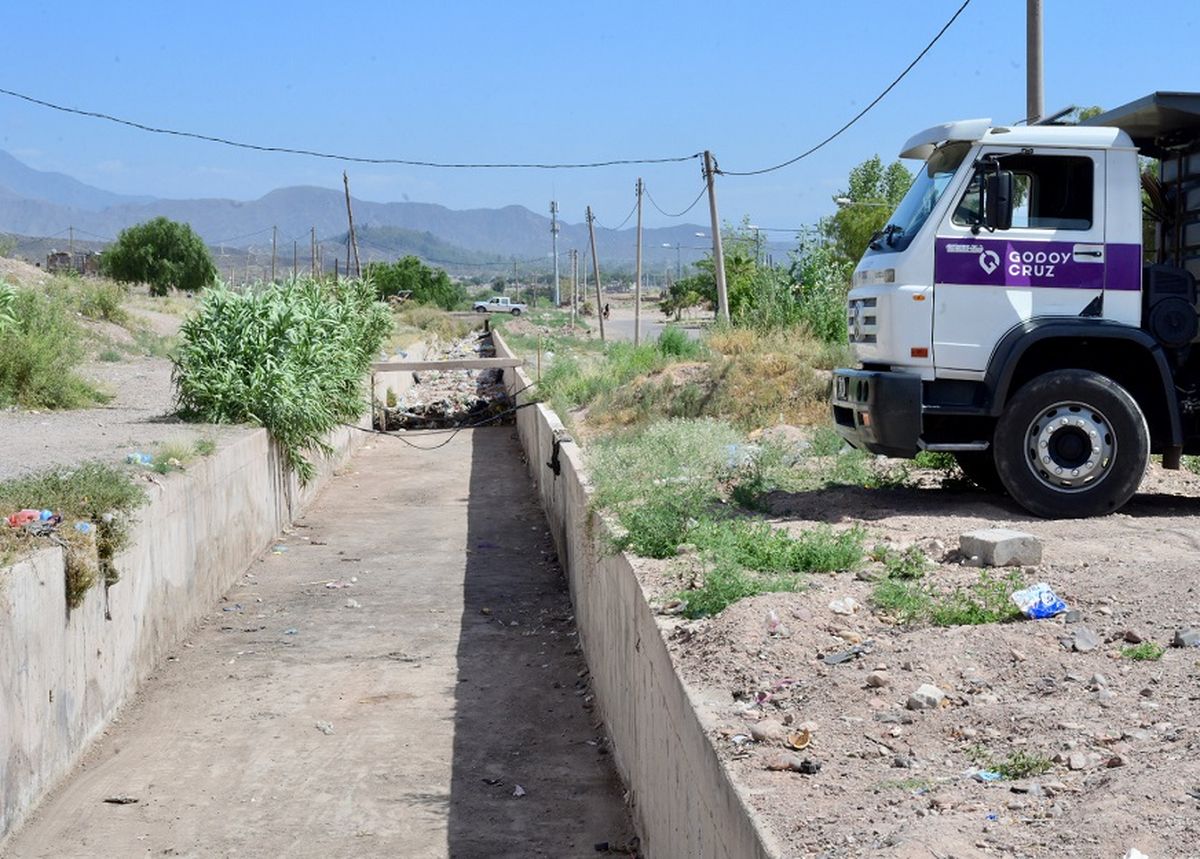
x: 927, y: 188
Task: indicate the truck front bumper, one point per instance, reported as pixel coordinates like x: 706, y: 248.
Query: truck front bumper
x: 879, y: 411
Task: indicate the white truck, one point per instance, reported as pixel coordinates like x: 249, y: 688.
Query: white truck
x: 1009, y: 313
x: 500, y: 304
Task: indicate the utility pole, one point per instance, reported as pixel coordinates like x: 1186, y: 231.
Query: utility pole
x: 637, y: 284
x: 71, y: 244
x: 574, y: 283
x: 312, y: 252
x: 718, y: 249
x: 554, y: 234
x: 1034, y: 105
x: 295, y: 259
x: 353, y: 241
x: 516, y: 283
x: 274, y: 239
x: 596, y: 271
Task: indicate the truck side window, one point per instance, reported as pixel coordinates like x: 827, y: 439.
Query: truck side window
x: 1051, y: 192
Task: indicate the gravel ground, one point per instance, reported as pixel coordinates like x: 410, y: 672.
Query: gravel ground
x: 1122, y: 734
x: 137, y: 418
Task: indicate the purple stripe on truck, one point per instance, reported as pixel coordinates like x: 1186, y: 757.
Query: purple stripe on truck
x: 1000, y: 262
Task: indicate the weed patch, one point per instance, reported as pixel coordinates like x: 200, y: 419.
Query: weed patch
x: 1147, y: 651
x: 914, y: 600
x: 99, y: 494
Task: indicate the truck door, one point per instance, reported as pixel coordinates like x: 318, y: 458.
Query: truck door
x: 1051, y: 263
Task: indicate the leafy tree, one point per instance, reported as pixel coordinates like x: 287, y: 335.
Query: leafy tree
x: 427, y: 285
x: 874, y: 191
x: 163, y: 253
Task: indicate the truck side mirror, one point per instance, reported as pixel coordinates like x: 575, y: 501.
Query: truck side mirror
x: 998, y: 200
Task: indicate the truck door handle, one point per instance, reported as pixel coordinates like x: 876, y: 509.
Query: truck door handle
x: 1088, y: 253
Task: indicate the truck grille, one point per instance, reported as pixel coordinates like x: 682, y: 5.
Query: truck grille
x: 863, y: 322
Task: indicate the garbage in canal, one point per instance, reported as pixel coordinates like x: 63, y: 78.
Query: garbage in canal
x: 986, y: 776
x: 84, y: 527
x: 139, y: 458
x: 1038, y: 601
x: 23, y: 517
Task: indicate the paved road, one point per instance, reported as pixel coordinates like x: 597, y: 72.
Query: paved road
x: 445, y: 668
x: 619, y: 325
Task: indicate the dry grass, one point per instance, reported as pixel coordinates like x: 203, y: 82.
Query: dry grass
x: 753, y: 379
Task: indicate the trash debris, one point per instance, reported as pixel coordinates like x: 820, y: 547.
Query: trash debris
x: 291, y: 630
x: 120, y: 799
x: 518, y: 791
x: 492, y: 782
x: 798, y: 740
x: 675, y: 606
x: 775, y: 626
x: 1038, y: 601
x: 139, y: 458
x: 339, y: 584
x: 235, y: 607
x: 846, y: 655
x: 353, y: 603
x: 845, y: 605
x: 1134, y: 853
x: 84, y: 527
x: 324, y: 728
x: 23, y: 517
x: 279, y: 549
x: 986, y: 776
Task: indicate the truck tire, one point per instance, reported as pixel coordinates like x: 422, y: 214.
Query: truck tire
x: 516, y: 311
x: 1071, y: 444
x: 481, y: 310
x: 979, y: 467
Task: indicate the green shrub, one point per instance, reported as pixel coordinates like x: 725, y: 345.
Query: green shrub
x: 675, y: 343
x: 38, y: 353
x: 291, y: 357
x: 102, y: 299
x: 427, y: 285
x: 8, y: 297
x: 986, y: 600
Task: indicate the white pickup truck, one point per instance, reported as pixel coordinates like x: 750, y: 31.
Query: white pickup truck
x: 500, y: 304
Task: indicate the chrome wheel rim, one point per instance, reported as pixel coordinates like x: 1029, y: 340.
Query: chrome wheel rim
x: 1070, y: 446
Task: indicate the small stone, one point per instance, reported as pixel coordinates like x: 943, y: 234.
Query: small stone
x: 1116, y: 761
x: 1147, y: 692
x: 768, y: 730
x: 810, y: 767
x: 1082, y: 640
x: 1016, y: 655
x: 1105, y: 610
x: 781, y: 761
x: 927, y: 697
x: 871, y: 574
x: 1077, y: 761
x: 1001, y: 547
x: 1098, y: 681
x: 1133, y: 637
x: 1105, y: 696
x: 1186, y: 637
x: 903, y: 762
x: 1073, y: 616
x: 878, y: 680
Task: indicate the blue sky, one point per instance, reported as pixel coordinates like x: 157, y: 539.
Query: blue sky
x: 754, y: 82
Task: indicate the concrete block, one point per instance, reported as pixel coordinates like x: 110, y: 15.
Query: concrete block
x: 1001, y: 547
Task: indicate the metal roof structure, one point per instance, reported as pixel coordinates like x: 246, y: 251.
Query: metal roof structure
x: 1159, y: 123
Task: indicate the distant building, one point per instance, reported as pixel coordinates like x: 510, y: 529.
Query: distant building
x: 80, y: 262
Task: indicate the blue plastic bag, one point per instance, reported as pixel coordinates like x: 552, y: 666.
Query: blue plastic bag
x: 1038, y: 601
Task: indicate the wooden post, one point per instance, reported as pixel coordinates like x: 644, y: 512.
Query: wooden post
x: 353, y: 241
x: 596, y: 270
x: 574, y: 283
x: 274, y: 239
x: 637, y: 284
x: 335, y: 269
x: 295, y: 259
x: 718, y: 248
x: 312, y: 252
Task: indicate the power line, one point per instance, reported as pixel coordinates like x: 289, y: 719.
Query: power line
x: 623, y: 223
x: 615, y: 162
x: 239, y: 238
x: 676, y: 214
x: 860, y: 114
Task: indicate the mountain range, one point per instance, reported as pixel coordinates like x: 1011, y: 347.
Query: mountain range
x: 41, y: 203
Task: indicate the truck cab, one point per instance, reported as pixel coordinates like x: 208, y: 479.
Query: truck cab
x: 1009, y: 312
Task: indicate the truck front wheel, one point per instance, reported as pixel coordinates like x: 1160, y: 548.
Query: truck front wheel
x: 1071, y: 444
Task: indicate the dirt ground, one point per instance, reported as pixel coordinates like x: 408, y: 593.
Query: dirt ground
x: 398, y: 676
x: 140, y: 415
x: 1123, y: 734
